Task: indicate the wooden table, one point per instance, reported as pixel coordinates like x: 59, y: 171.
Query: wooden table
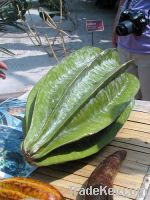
x: 134, y: 173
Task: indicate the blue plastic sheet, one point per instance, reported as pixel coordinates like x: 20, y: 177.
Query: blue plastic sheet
x: 12, y: 161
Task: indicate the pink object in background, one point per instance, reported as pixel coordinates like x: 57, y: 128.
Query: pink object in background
x: 4, y: 67
x: 94, y: 25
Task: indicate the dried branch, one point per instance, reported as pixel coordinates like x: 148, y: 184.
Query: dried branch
x: 61, y: 10
x: 49, y: 44
x: 63, y: 43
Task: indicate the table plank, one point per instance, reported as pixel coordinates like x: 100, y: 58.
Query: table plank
x: 143, y: 106
x: 137, y: 157
x: 137, y: 126
x: 71, y: 189
x: 140, y: 117
x: 124, y: 179
x: 130, y: 137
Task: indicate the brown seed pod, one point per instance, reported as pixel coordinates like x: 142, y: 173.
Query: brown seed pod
x: 101, y: 179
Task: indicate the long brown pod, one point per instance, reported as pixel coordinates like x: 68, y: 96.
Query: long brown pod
x: 100, y: 182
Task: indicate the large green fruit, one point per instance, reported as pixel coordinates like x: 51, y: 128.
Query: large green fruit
x: 78, y: 107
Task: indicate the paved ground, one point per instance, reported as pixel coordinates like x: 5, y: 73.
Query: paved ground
x: 31, y: 62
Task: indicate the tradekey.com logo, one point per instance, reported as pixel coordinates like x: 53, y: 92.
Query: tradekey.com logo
x: 102, y: 191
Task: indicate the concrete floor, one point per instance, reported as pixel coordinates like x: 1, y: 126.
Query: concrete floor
x: 31, y: 62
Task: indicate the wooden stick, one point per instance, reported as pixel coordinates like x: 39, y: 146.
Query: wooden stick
x: 61, y: 10
x: 49, y: 44
x: 63, y: 43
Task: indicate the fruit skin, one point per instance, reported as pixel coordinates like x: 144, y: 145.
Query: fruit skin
x: 104, y: 174
x: 25, y: 188
x: 78, y: 99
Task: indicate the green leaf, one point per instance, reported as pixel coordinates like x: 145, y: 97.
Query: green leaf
x: 87, y: 146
